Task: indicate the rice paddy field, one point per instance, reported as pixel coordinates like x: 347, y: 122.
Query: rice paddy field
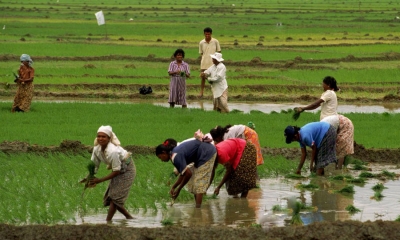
x: 274, y: 51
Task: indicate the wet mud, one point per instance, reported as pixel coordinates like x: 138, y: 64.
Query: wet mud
x: 321, y: 230
x: 76, y: 147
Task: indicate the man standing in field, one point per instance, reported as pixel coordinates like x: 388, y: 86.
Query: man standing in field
x: 207, y: 47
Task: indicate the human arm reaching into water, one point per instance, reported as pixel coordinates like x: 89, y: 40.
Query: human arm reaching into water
x: 226, y: 177
x: 180, y: 183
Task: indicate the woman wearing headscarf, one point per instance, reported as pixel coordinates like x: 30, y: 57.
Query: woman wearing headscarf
x: 239, y: 159
x: 24, y: 95
x: 343, y: 125
x: 107, y: 150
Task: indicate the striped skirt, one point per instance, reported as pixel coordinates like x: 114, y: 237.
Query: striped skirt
x: 118, y: 189
x: 177, y: 90
x: 326, y: 153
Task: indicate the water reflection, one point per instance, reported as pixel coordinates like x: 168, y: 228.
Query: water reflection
x: 270, y: 107
x: 257, y: 208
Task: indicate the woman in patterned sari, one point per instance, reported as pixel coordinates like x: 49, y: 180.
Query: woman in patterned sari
x: 238, y: 156
x: 199, y: 177
x: 24, y: 95
x: 107, y: 149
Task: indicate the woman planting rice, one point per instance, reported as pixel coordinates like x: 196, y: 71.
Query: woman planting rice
x: 238, y: 156
x: 321, y: 138
x: 197, y: 178
x: 107, y: 149
x: 343, y: 125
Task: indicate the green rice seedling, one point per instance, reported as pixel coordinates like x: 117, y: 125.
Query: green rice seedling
x: 397, y: 219
x: 378, y: 187
x: 255, y: 225
x: 390, y: 175
x: 277, y: 208
x: 91, y: 169
x: 377, y: 196
x: 296, y: 219
x: 352, y: 210
x: 356, y: 180
x: 167, y: 222
x: 307, y: 186
x: 347, y: 189
x: 359, y: 167
x: 366, y: 175
x: 341, y: 177
x: 294, y: 176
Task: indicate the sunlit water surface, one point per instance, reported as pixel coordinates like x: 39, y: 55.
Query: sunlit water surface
x: 257, y: 208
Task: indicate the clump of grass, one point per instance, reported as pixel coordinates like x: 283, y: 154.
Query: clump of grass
x: 347, y: 189
x: 307, y: 186
x: 167, y: 222
x: 352, y: 210
x: 378, y: 187
x: 366, y: 175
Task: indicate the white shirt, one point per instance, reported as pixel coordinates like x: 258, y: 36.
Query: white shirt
x: 216, y: 76
x: 329, y: 106
x: 112, y: 156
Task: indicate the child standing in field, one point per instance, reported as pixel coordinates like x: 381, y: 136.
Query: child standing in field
x: 178, y: 71
x: 24, y: 95
x: 107, y: 149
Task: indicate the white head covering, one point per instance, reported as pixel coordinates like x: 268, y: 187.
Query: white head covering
x: 108, y: 130
x: 217, y: 56
x: 26, y: 58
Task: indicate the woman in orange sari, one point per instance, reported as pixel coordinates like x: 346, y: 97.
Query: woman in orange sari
x: 23, y: 97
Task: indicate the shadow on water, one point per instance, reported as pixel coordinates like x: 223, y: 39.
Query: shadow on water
x: 324, y: 204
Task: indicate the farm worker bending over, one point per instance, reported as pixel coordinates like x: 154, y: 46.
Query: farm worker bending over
x: 199, y: 177
x: 239, y: 158
x: 321, y: 138
x: 107, y: 149
x: 345, y: 129
x: 216, y: 76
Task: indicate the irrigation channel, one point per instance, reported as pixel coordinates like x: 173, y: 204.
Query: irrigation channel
x: 326, y: 204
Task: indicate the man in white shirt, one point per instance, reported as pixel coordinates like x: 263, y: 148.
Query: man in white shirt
x: 216, y: 76
x: 207, y: 46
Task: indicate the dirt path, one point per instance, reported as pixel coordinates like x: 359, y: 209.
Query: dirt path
x: 323, y: 230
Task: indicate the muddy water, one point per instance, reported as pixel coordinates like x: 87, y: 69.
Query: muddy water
x: 244, y: 107
x: 257, y: 208
x: 269, y: 107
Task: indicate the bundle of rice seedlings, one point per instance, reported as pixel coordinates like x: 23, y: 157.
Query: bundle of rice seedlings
x: 356, y: 180
x: 378, y: 187
x: 347, y: 189
x: 397, y: 219
x: 296, y: 219
x: 277, y: 208
x: 307, y: 186
x: 167, y: 222
x: 293, y: 175
x: 366, y: 175
x: 388, y: 174
x: 359, y: 167
x: 91, y: 168
x: 341, y: 177
x: 377, y: 196
x: 352, y: 210
x: 296, y: 113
